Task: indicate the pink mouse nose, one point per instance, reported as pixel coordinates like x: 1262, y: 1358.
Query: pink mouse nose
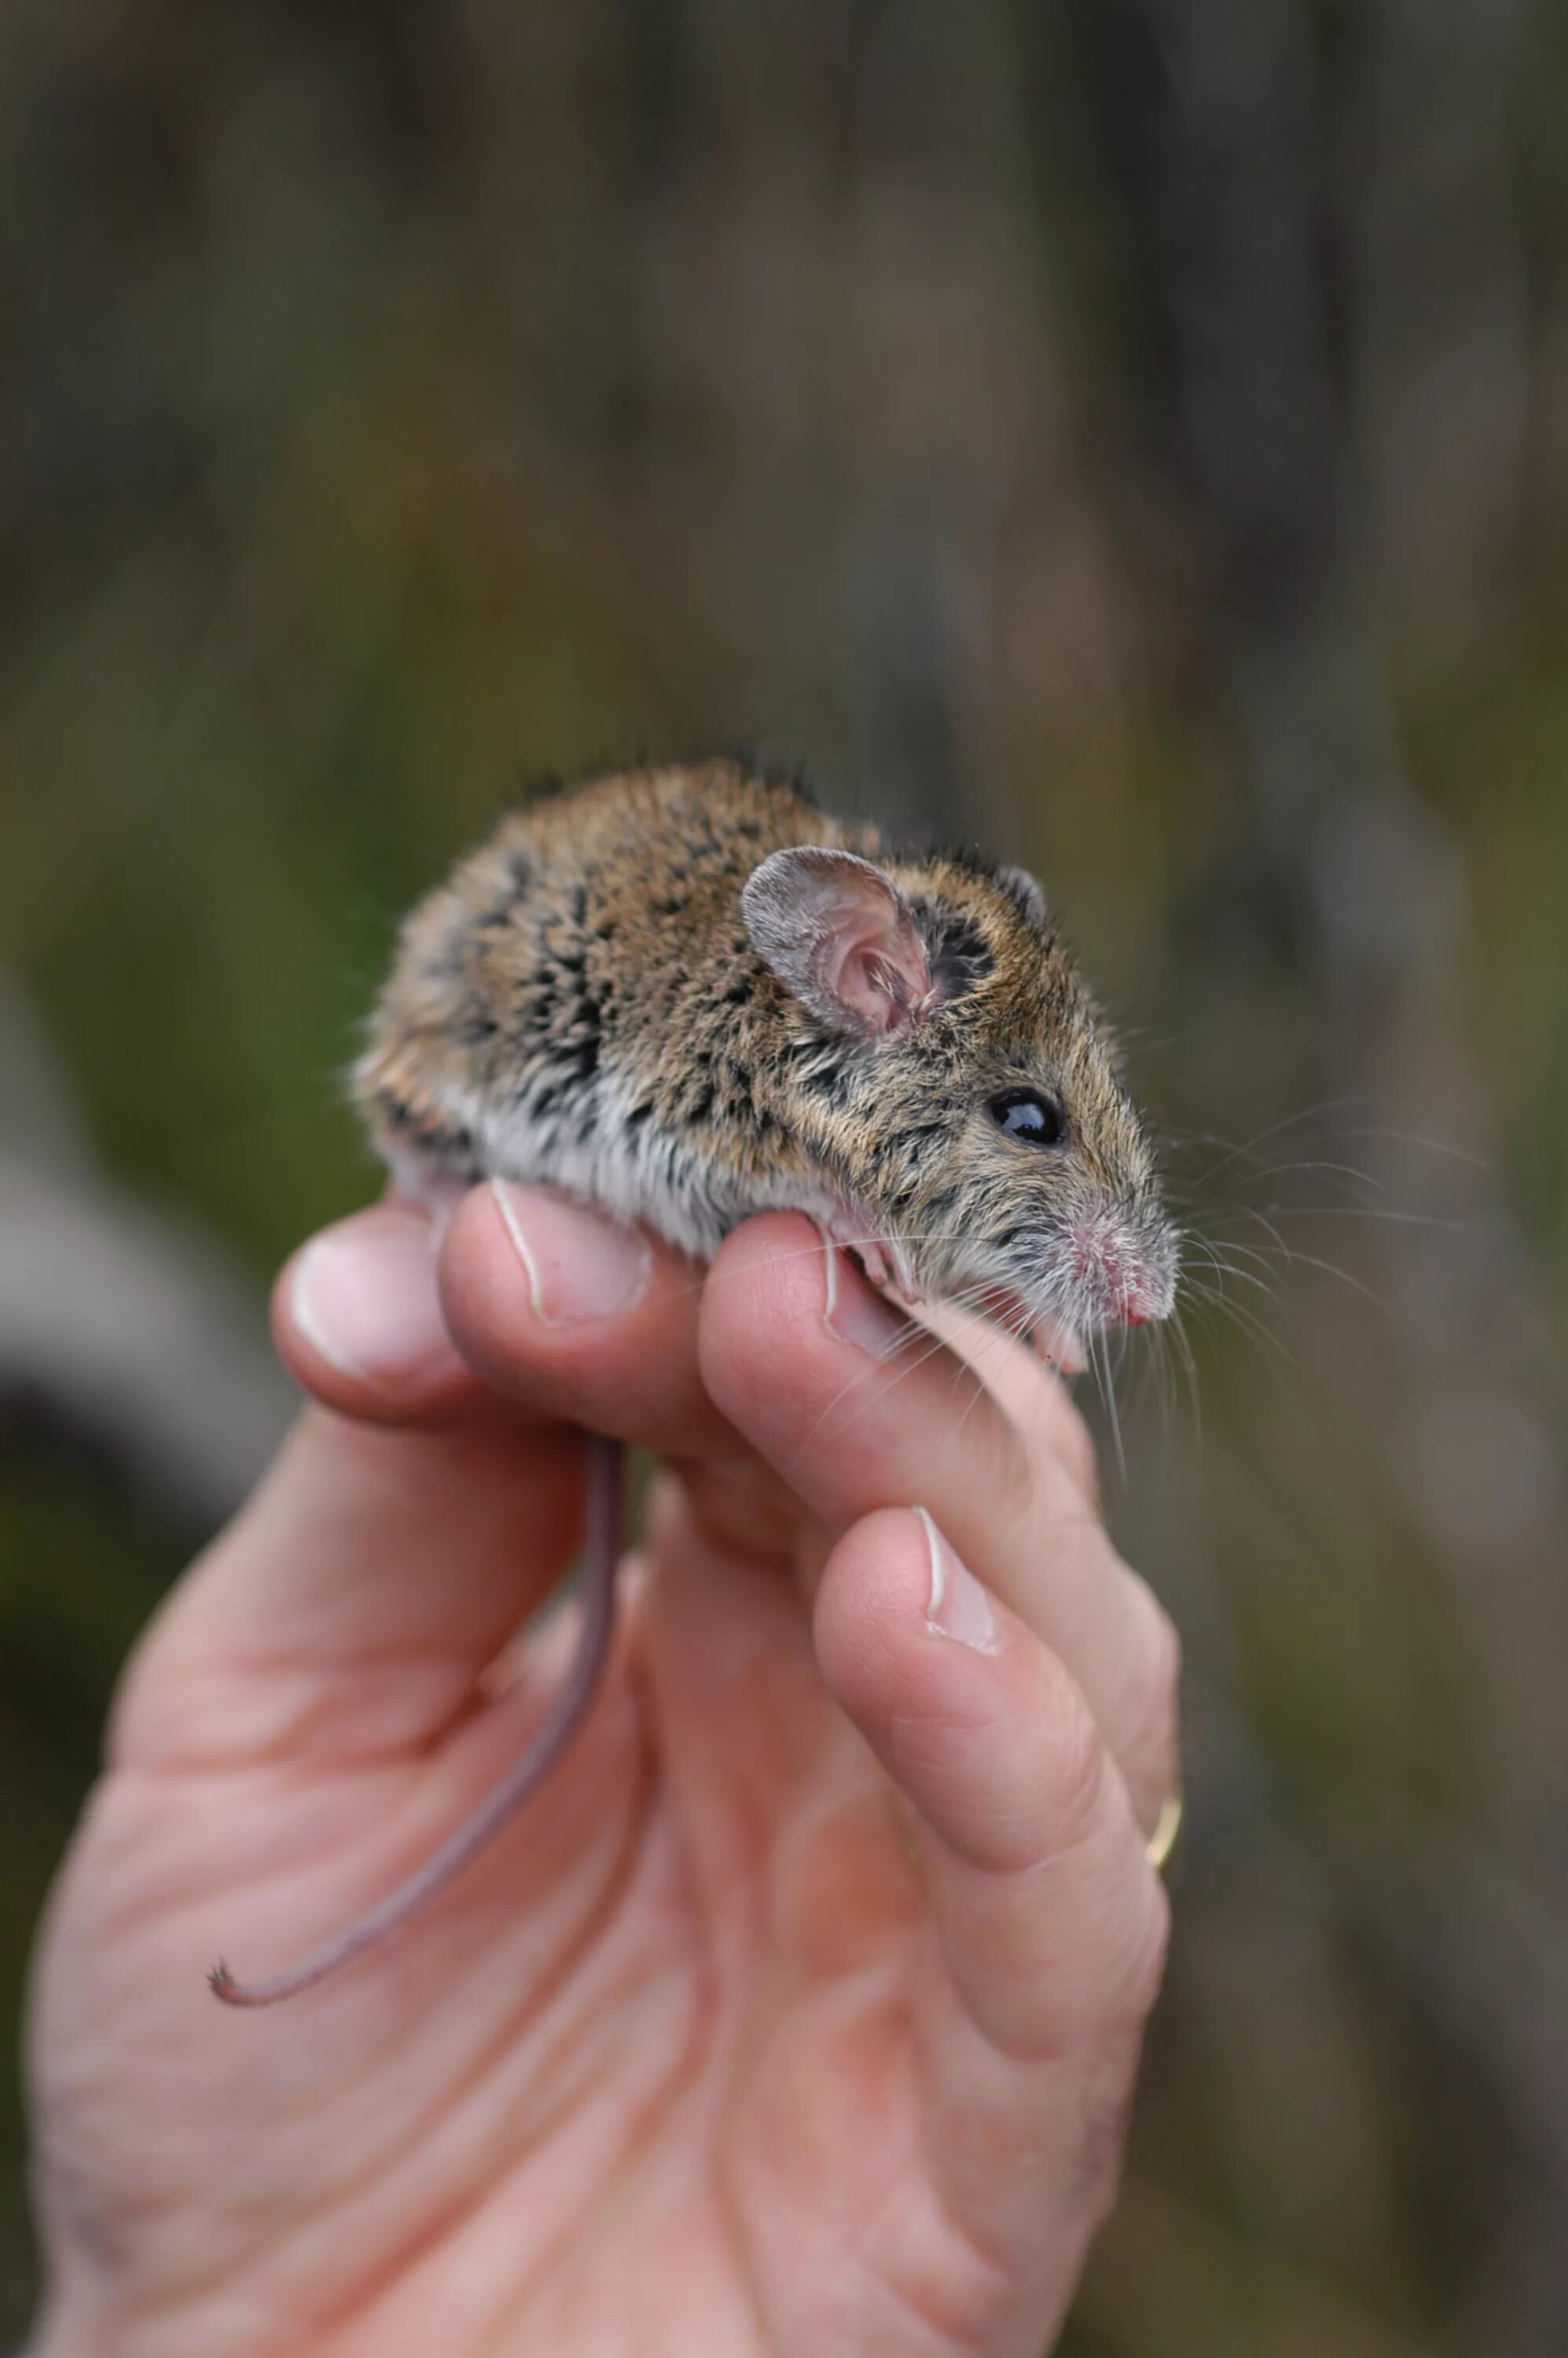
x: 1116, y: 1273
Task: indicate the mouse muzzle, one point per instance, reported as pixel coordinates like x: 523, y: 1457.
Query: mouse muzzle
x: 1121, y: 1268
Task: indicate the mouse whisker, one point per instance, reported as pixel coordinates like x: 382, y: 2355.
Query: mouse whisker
x: 1249, y: 1147
x: 1378, y: 1133
x: 1231, y: 1269
x: 1176, y: 1358
x: 912, y: 1361
x: 1099, y: 1352
x: 1292, y: 1256
x: 1222, y: 1266
x: 1357, y: 1211
x: 1201, y: 1297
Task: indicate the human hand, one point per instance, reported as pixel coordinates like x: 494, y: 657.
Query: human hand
x: 798, y: 2014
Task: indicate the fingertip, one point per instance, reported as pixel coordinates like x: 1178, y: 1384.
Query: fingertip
x: 581, y: 1268
x: 1004, y: 1771
x: 530, y: 1282
x: 357, y: 1319
x: 866, y: 1595
x: 904, y: 1631
x: 978, y: 1722
x: 579, y: 1316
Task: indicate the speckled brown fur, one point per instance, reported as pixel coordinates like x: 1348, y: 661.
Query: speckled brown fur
x: 582, y: 1004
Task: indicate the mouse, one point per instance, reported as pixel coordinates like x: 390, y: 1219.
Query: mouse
x: 685, y: 994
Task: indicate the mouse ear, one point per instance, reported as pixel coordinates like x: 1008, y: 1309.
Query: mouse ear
x: 840, y: 935
x: 1027, y: 891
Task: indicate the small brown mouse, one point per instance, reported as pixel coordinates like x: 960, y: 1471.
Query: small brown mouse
x: 688, y: 995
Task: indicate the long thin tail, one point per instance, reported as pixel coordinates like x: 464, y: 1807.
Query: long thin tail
x: 605, y: 1475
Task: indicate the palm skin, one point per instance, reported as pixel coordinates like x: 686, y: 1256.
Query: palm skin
x: 799, y: 2014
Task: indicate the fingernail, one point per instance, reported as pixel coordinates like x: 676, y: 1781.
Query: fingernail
x: 364, y: 1298
x: 856, y: 1313
x: 957, y: 1605
x: 580, y: 1265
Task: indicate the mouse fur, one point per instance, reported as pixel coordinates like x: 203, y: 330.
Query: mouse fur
x: 687, y: 994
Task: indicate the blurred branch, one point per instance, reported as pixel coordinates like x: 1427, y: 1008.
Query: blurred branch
x: 124, y: 1332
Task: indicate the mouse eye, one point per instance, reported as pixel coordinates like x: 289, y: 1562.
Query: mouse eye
x: 1024, y: 1114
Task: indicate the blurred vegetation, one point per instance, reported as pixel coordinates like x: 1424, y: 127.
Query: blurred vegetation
x: 1131, y: 432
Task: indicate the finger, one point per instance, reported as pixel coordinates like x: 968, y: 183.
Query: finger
x: 352, y: 1606
x: 1026, y: 1387
x: 1048, y: 1924
x: 572, y: 1316
x: 357, y: 1321
x: 859, y: 1410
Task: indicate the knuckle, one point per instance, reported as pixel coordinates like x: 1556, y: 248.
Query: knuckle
x: 1143, y: 1970
x: 1001, y: 1460
x: 1102, y: 2139
x: 1072, y: 1770
x: 1101, y: 2007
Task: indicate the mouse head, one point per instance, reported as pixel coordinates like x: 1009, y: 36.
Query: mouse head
x: 949, y: 1072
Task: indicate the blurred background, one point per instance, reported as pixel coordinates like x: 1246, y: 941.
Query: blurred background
x: 1129, y: 433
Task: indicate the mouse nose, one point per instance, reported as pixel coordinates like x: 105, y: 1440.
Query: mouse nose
x: 1126, y: 1282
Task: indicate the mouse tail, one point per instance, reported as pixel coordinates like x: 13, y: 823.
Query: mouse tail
x: 605, y: 1475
